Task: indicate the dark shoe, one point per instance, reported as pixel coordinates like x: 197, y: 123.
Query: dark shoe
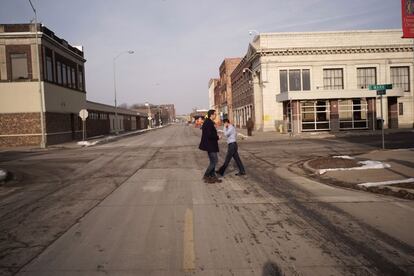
x: 208, y: 179
x: 216, y: 180
x: 240, y: 173
x: 220, y: 173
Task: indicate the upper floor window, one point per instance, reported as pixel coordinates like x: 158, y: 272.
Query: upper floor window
x: 59, y: 72
x: 400, y: 77
x: 49, y: 69
x: 69, y: 70
x: 64, y: 75
x: 333, y: 79
x: 80, y: 79
x: 366, y: 77
x: 294, y: 80
x: 19, y: 66
x: 73, y: 77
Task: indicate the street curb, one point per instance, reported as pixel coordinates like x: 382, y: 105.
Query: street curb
x: 383, y: 190
x: 309, y: 168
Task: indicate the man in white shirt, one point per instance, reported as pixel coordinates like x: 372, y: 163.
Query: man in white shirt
x: 232, y: 151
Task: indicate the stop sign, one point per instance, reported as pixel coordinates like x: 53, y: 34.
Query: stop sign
x: 83, y: 114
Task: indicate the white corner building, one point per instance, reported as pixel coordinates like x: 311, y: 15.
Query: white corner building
x: 319, y: 81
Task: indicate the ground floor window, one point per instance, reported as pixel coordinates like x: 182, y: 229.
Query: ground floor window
x: 315, y: 115
x: 353, y: 114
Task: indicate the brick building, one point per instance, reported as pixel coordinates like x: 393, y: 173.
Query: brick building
x: 222, y: 91
x: 62, y: 86
x: 243, y: 96
x: 318, y: 81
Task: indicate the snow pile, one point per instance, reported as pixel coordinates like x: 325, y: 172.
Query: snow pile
x: 366, y: 165
x: 87, y: 143
x: 383, y: 183
x: 3, y: 174
x: 344, y: 157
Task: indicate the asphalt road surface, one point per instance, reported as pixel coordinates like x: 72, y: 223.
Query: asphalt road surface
x: 138, y: 206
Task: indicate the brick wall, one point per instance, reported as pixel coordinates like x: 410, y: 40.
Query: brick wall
x: 17, y: 141
x: 19, y: 123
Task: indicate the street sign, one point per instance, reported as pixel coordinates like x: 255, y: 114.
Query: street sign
x: 381, y: 92
x: 83, y: 114
x: 380, y: 87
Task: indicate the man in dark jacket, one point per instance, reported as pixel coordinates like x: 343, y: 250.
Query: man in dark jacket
x: 209, y: 143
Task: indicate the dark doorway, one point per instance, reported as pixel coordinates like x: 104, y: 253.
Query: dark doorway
x: 392, y: 112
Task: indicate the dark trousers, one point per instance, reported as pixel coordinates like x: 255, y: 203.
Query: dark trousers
x: 232, y: 152
x: 211, y: 169
x: 249, y: 132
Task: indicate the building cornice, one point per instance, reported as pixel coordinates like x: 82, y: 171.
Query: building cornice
x: 335, y: 50
x: 31, y: 35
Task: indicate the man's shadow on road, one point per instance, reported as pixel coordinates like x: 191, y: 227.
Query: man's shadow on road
x: 271, y: 269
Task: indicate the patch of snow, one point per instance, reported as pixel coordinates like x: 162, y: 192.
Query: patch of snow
x: 87, y: 143
x: 366, y: 165
x: 344, y: 157
x: 3, y: 174
x: 383, y: 183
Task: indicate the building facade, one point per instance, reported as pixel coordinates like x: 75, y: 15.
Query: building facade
x: 243, y: 96
x: 102, y: 120
x: 62, y: 87
x: 224, y: 87
x: 319, y: 81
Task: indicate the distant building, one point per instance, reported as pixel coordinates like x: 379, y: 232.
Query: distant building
x: 318, y: 81
x: 102, y: 120
x: 160, y: 114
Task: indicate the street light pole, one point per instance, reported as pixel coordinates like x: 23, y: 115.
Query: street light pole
x: 42, y: 126
x: 116, y: 106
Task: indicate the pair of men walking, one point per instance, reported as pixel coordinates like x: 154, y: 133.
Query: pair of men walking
x: 209, y: 143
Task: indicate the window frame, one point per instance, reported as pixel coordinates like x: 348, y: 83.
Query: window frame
x: 288, y: 84
x: 365, y: 85
x: 395, y: 85
x: 332, y: 78
x: 13, y: 57
x: 400, y: 109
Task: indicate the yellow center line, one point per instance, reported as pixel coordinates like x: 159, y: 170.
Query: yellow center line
x: 189, y: 255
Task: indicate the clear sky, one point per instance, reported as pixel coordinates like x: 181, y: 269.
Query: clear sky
x: 179, y: 44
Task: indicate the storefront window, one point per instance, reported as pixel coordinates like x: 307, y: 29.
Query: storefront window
x: 353, y: 114
x: 315, y: 115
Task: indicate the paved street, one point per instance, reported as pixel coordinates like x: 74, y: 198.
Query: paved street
x: 138, y: 206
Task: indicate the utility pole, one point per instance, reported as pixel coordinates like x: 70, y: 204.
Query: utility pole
x: 42, y: 122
